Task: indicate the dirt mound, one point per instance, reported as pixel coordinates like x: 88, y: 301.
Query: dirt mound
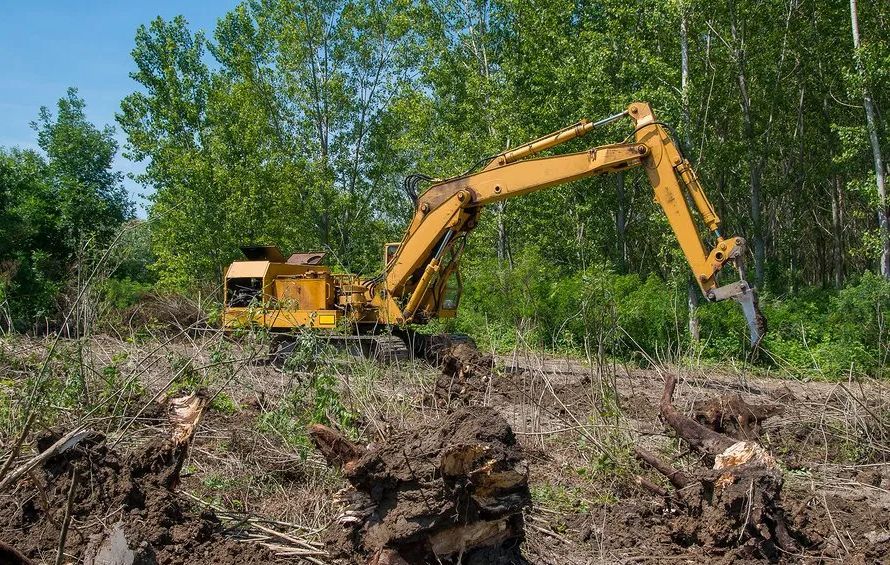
x: 165, y: 313
x: 451, y: 489
x: 466, y: 375
x: 122, y: 508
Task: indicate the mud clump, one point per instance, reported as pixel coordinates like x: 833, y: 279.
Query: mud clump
x: 124, y: 509
x: 449, y: 491
x: 466, y: 375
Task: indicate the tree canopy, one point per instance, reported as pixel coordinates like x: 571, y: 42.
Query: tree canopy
x: 294, y: 122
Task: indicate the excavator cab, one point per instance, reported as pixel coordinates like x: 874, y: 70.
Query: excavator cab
x: 450, y: 298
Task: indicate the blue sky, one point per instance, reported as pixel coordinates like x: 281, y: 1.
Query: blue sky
x: 45, y: 47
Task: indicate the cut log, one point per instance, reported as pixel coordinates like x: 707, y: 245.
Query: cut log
x: 676, y: 477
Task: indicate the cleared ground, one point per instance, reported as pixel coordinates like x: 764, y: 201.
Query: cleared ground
x: 252, y: 464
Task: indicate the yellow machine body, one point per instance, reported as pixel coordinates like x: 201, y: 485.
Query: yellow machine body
x: 279, y: 296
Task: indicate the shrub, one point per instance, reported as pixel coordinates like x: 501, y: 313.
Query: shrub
x: 816, y: 333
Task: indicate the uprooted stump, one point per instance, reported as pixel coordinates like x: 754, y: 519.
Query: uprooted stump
x: 736, y: 505
x: 450, y: 490
x: 123, y: 509
x: 466, y: 374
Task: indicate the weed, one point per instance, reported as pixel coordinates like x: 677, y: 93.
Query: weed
x: 224, y: 404
x: 559, y: 497
x: 314, y: 402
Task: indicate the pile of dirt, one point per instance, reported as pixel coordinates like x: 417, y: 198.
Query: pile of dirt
x: 466, y: 375
x: 123, y: 509
x: 452, y: 490
x: 165, y: 313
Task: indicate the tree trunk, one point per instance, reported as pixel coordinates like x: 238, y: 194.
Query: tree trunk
x: 837, y: 230
x: 504, y: 254
x: 756, y: 219
x: 875, y: 147
x: 621, y: 222
x: 691, y: 287
x: 692, y: 301
x: 754, y: 156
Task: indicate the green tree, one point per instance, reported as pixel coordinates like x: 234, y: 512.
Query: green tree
x: 53, y: 207
x: 89, y: 192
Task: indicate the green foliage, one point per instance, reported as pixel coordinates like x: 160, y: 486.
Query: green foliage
x: 560, y: 498
x: 52, y: 206
x: 815, y: 333
x: 316, y: 401
x: 122, y: 293
x: 91, y: 200
x: 279, y: 140
x: 293, y: 122
x: 595, y: 307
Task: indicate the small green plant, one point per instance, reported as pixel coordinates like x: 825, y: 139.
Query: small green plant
x: 224, y: 404
x: 559, y: 497
x: 314, y: 402
x: 113, y: 385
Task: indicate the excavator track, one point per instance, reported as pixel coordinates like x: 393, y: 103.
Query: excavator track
x: 398, y: 346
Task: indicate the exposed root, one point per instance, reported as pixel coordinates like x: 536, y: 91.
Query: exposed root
x: 466, y: 374
x: 730, y: 414
x: 734, y: 505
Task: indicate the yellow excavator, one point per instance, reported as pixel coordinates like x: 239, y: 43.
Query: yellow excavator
x: 420, y: 280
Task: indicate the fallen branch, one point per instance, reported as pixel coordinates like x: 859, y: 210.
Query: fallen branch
x: 675, y: 476
x: 699, y: 437
x: 66, y: 521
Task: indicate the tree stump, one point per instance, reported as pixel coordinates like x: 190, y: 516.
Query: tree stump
x: 734, y: 504
x: 450, y: 490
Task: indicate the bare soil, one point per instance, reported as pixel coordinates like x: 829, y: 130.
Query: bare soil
x: 134, y: 494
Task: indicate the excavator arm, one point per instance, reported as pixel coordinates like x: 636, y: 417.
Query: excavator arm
x: 414, y: 278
